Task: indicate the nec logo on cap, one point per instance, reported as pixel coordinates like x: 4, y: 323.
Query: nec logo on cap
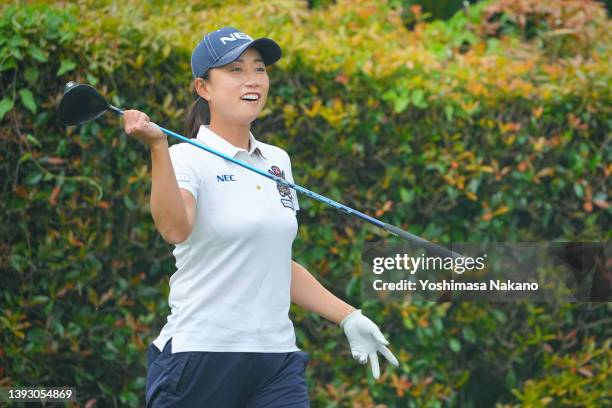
x: 226, y: 177
x: 234, y: 37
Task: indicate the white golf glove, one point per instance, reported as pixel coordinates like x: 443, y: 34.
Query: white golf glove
x: 365, y: 339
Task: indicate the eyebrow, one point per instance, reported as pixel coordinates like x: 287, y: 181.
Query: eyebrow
x: 256, y: 60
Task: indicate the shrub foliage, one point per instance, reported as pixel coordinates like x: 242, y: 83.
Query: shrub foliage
x: 491, y: 126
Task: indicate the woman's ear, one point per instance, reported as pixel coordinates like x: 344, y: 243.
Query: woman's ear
x: 201, y: 86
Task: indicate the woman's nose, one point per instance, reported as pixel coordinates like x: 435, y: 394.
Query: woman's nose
x: 253, y: 81
x: 254, y: 78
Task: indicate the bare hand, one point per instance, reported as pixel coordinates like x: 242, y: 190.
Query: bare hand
x: 139, y: 126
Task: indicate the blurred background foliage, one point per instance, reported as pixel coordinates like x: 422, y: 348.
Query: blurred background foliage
x: 490, y: 122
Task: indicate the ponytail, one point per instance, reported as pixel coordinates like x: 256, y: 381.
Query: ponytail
x: 197, y: 115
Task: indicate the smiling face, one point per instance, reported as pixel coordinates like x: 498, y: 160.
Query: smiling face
x: 236, y: 92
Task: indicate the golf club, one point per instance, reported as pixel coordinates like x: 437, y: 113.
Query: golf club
x: 82, y: 103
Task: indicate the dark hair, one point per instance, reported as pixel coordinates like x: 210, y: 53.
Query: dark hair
x: 198, y: 114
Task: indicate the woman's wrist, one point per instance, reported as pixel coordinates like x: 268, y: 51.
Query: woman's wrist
x: 159, y: 145
x: 346, y: 314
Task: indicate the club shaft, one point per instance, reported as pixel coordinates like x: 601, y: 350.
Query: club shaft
x: 348, y: 210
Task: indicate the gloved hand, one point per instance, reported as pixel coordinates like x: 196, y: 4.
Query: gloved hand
x: 365, y: 339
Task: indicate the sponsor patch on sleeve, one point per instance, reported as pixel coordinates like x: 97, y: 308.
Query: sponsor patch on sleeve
x: 182, y: 177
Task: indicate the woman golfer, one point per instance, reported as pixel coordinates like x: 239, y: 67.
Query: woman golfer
x: 228, y: 341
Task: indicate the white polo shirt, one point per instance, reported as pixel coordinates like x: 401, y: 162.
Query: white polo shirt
x: 231, y: 288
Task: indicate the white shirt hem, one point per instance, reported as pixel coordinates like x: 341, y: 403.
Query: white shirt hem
x: 178, y: 347
x: 244, y: 348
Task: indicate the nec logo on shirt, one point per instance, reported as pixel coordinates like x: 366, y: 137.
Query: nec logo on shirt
x: 226, y: 177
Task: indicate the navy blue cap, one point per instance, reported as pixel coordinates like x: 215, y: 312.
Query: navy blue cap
x: 225, y: 45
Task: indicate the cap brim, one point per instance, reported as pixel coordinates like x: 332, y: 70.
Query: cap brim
x: 269, y: 50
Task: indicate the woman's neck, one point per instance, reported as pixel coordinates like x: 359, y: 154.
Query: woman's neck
x: 238, y: 135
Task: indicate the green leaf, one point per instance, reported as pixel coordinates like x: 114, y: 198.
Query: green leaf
x: 59, y: 328
x: 389, y: 96
x: 48, y: 308
x: 473, y: 185
x: 510, y: 380
x: 24, y: 157
x: 129, y: 398
x: 31, y: 74
x: 438, y: 324
x: 400, y: 101
x: 353, y: 287
x: 27, y: 99
x: 34, y: 178
x: 300, y: 336
x: 408, y: 323
x: 6, y: 105
x: 578, y: 190
x: 400, y: 104
x: 418, y: 98
x: 107, y: 390
x: 449, y: 110
x: 62, y: 147
x: 499, y: 315
x: 469, y: 335
x: 66, y: 65
x: 330, y: 345
x: 406, y: 195
x: 600, y: 196
x: 129, y: 203
x: 33, y: 140
x: 37, y: 53
x: 454, y: 345
x: 8, y: 64
x: 40, y: 299
x: 17, y: 53
x: 92, y: 79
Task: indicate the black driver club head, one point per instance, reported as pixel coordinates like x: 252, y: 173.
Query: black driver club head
x: 82, y: 103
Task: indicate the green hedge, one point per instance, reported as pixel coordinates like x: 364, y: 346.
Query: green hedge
x: 451, y: 130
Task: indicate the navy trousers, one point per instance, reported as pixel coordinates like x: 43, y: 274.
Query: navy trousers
x: 211, y: 379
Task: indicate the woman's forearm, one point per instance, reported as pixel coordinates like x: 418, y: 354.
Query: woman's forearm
x: 167, y: 205
x: 308, y: 293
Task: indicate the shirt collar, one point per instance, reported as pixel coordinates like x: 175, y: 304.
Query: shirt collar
x: 218, y: 143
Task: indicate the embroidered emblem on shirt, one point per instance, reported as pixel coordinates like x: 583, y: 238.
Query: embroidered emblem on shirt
x: 182, y: 177
x: 283, y: 190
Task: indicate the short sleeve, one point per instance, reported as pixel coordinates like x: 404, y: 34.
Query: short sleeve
x: 186, y: 174
x: 289, y: 175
